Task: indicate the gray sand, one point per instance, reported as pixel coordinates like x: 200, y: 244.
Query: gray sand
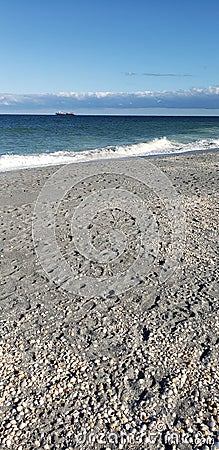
x: 123, y: 370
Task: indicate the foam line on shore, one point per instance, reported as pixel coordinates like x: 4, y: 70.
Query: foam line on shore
x: 156, y: 147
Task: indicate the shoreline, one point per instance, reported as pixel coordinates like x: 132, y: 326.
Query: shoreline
x: 143, y: 360
x: 160, y: 155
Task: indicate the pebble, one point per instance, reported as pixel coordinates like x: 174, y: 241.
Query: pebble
x: 19, y: 408
x: 152, y: 381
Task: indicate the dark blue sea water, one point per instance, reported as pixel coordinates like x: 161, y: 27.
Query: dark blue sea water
x: 39, y: 140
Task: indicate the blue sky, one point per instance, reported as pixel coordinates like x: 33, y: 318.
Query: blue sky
x: 115, y: 46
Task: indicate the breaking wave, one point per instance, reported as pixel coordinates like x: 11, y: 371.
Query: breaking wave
x: 161, y: 146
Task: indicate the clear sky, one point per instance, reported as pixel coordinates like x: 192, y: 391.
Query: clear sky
x: 53, y: 46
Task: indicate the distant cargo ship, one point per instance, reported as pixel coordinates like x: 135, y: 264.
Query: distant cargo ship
x: 60, y: 113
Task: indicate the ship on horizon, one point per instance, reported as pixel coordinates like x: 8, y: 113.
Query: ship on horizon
x: 61, y: 113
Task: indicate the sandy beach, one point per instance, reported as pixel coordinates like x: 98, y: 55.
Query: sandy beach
x: 135, y: 369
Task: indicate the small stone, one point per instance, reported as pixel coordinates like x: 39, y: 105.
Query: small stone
x: 211, y: 423
x: 183, y: 379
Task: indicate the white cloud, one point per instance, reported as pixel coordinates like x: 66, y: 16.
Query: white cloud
x: 206, y: 98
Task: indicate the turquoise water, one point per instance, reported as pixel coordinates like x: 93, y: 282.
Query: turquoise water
x: 36, y: 140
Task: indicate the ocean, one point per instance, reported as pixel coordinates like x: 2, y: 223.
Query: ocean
x: 42, y: 140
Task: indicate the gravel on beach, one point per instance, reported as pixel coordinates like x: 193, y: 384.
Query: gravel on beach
x: 135, y: 370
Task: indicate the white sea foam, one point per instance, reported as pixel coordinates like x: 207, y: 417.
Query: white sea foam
x: 161, y: 146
